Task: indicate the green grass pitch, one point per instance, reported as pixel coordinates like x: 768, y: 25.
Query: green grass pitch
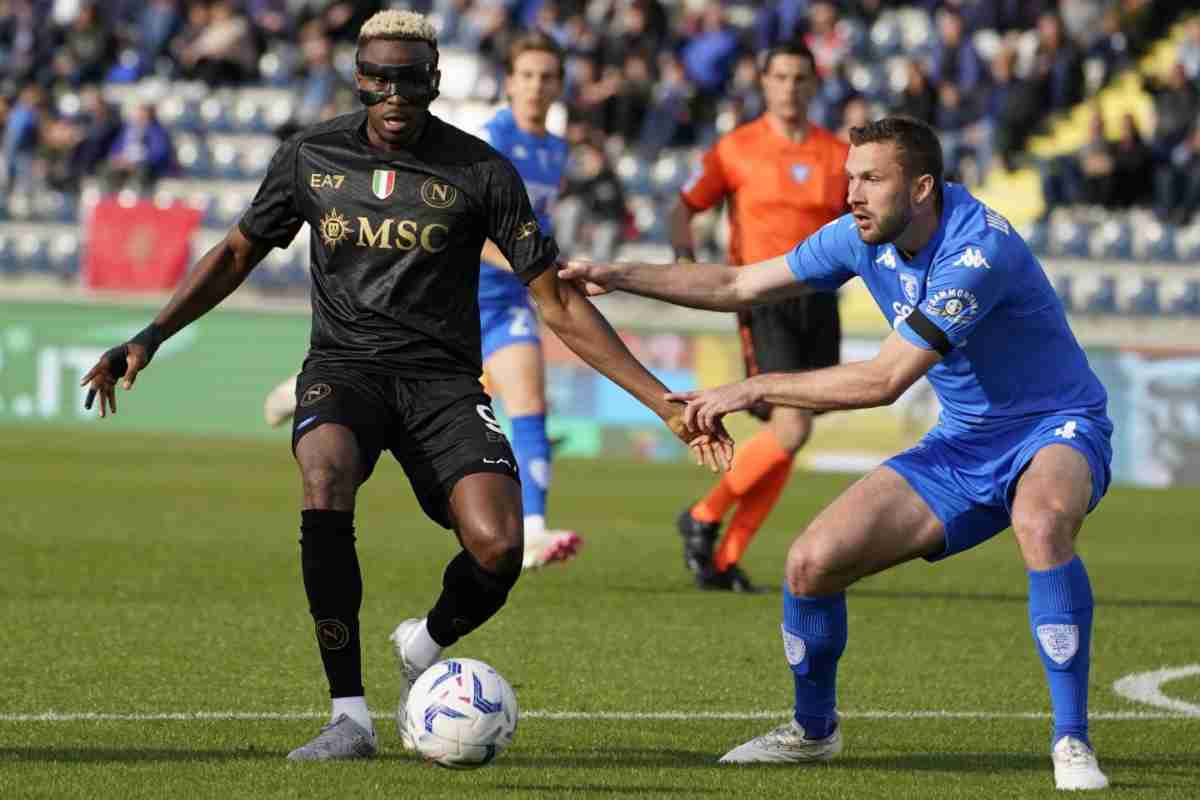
x: 151, y: 575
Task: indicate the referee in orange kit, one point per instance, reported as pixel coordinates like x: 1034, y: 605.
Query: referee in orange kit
x: 784, y: 178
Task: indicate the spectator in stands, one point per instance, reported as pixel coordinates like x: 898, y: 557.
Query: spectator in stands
x: 855, y: 113
x: 1189, y: 50
x: 1176, y: 107
x: 1012, y: 108
x: 1085, y: 177
x: 270, y: 18
x: 669, y: 119
x: 592, y: 210
x: 99, y: 126
x: 1111, y: 46
x: 952, y: 117
x: 626, y: 108
x: 86, y: 49
x: 458, y: 28
x: 1058, y: 66
x: 779, y: 21
x: 1177, y: 181
x: 634, y: 31
x: 223, y: 50
x: 321, y: 80
x: 824, y: 38
x: 918, y: 98
x: 1131, y: 182
x: 955, y: 59
x: 21, y: 134
x: 743, y: 95
x: 26, y: 41
x: 709, y: 54
x: 158, y: 23
x: 142, y: 152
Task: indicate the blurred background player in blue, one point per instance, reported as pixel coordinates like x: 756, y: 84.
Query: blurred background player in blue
x: 512, y: 348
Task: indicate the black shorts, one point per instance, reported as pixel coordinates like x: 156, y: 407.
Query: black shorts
x: 798, y: 334
x: 439, y: 430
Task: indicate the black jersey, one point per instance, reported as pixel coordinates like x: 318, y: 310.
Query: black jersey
x: 395, y: 241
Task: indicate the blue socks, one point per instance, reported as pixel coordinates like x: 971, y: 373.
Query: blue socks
x: 814, y: 636
x: 532, y: 448
x: 1060, y: 617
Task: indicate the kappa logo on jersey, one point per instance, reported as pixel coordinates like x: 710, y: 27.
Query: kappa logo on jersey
x: 527, y: 229
x: 887, y: 258
x: 323, y: 180
x: 383, y: 183
x: 800, y: 172
x: 911, y: 286
x: 1067, y: 431
x: 972, y: 257
x: 438, y: 194
x: 956, y: 305
x: 334, y: 228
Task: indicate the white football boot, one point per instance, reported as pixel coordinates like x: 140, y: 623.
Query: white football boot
x: 281, y: 403
x: 1075, y: 766
x: 549, y: 547
x: 787, y: 744
x: 409, y: 673
x: 343, y: 738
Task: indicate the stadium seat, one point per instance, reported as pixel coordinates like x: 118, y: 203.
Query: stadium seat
x: 1111, y: 239
x: 1138, y: 295
x: 63, y: 255
x: 1037, y: 235
x: 1103, y: 300
x: 1187, y: 243
x: 1185, y: 302
x: 214, y: 113
x: 632, y: 172
x: 1152, y: 241
x: 225, y: 156
x: 1068, y: 238
x: 31, y: 251
x: 8, y: 260
x: 1063, y: 285
x: 885, y: 35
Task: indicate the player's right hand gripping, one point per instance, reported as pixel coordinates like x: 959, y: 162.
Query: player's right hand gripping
x: 711, y: 449
x: 592, y: 277
x: 123, y: 363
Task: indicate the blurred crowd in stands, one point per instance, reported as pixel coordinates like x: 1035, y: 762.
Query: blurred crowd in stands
x: 643, y: 77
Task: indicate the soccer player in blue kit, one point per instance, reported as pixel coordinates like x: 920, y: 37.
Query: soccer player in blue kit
x: 1023, y: 438
x: 512, y: 348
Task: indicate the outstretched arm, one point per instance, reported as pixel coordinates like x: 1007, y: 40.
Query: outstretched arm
x: 582, y: 328
x: 221, y: 270
x: 714, y: 287
x: 860, y: 384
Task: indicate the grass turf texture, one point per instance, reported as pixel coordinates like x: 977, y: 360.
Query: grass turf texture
x: 153, y: 574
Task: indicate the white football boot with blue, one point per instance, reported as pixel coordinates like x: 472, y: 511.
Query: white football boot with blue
x: 1075, y: 766
x: 787, y: 744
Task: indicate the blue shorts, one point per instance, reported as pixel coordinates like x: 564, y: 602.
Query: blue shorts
x: 507, y: 321
x: 969, y: 480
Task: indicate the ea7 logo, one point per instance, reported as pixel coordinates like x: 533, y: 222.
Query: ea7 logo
x: 887, y: 258
x: 321, y: 180
x: 972, y: 257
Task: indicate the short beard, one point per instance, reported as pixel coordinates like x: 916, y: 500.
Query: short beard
x: 891, y: 228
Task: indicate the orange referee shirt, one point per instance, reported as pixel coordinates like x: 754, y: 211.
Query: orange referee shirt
x: 780, y: 191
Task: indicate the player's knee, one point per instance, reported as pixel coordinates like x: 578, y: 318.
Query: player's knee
x: 811, y: 569
x: 1045, y: 528
x: 495, y: 543
x: 328, y: 486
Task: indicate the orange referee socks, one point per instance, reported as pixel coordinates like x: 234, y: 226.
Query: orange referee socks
x: 755, y: 461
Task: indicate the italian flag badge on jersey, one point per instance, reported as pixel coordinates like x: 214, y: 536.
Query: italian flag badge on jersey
x: 383, y: 182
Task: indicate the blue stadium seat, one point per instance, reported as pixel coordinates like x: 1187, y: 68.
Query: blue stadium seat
x: 634, y: 176
x: 191, y: 153
x: 63, y: 256
x: 1068, y: 238
x: 1144, y: 302
x: 248, y: 116
x: 31, y: 252
x: 1037, y: 235
x: 214, y: 114
x: 1187, y: 244
x: 225, y: 155
x: 1063, y: 285
x: 1103, y: 300
x: 1153, y: 241
x: 1188, y: 302
x: 8, y: 260
x: 885, y: 36
x: 1112, y: 239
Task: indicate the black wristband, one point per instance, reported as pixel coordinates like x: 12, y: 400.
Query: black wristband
x: 685, y: 254
x: 149, y: 337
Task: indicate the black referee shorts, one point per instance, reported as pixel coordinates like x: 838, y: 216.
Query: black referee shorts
x: 439, y: 430
x: 798, y: 334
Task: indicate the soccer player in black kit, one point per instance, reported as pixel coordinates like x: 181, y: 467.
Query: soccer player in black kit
x: 400, y: 204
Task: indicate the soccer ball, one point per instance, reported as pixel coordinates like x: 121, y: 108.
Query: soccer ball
x: 461, y: 713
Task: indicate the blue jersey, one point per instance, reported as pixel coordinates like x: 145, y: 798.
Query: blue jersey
x: 540, y: 160
x: 984, y: 302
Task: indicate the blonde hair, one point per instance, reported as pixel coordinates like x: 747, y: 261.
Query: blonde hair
x: 408, y: 26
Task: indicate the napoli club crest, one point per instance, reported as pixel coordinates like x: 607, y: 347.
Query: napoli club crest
x: 911, y: 288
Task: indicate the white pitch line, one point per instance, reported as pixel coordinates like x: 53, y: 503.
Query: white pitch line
x: 1146, y: 687
x: 265, y: 716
